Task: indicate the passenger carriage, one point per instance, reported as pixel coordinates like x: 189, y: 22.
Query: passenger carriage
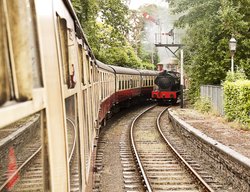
x: 48, y: 70
x: 127, y: 83
x: 147, y: 82
x: 106, y: 89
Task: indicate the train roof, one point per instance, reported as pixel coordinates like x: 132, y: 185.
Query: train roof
x: 124, y: 70
x: 104, y: 66
x: 148, y: 72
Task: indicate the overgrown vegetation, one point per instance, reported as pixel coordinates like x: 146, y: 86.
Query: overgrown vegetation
x: 203, y: 105
x: 209, y: 25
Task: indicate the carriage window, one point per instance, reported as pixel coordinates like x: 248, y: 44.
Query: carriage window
x: 80, y: 58
x: 66, y: 38
x: 88, y: 68
x: 96, y: 74
x: 28, y: 75
x: 63, y: 37
x: 85, y: 68
x: 86, y: 131
x: 72, y: 64
x: 127, y: 83
x: 123, y: 82
x: 73, y: 139
x: 24, y: 134
x: 120, y: 84
x: 104, y: 85
x: 91, y: 71
x: 132, y: 83
x: 102, y: 88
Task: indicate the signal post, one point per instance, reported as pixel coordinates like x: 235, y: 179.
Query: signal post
x: 177, y: 47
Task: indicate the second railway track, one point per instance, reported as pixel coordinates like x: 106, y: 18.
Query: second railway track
x: 26, y: 173
x: 161, y: 166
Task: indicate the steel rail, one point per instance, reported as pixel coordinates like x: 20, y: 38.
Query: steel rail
x: 138, y: 159
x: 195, y: 175
x: 20, y: 168
x: 74, y: 141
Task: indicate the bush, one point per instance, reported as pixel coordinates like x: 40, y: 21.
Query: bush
x: 203, y: 105
x: 238, y: 75
x: 237, y: 100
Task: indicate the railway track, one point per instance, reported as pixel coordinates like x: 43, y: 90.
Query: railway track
x: 73, y: 157
x: 162, y: 167
x: 163, y: 171
x: 27, y: 174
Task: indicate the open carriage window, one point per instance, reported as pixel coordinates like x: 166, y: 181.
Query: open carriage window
x: 66, y: 38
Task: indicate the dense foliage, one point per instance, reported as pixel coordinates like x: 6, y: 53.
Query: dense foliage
x: 209, y: 25
x: 236, y: 100
x: 107, y: 26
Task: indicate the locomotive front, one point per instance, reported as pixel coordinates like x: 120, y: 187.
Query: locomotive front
x: 168, y: 87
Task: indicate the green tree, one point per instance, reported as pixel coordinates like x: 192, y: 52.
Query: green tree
x: 87, y: 13
x: 114, y: 13
x: 209, y: 25
x: 106, y: 24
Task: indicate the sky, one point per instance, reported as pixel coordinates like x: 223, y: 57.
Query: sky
x: 135, y: 4
x: 151, y: 29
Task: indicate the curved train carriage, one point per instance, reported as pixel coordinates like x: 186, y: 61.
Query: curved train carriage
x: 168, y: 87
x: 48, y: 71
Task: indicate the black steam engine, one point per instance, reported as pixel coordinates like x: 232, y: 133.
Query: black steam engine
x: 168, y: 87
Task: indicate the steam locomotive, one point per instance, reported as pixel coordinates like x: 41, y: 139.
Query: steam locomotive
x: 167, y: 89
